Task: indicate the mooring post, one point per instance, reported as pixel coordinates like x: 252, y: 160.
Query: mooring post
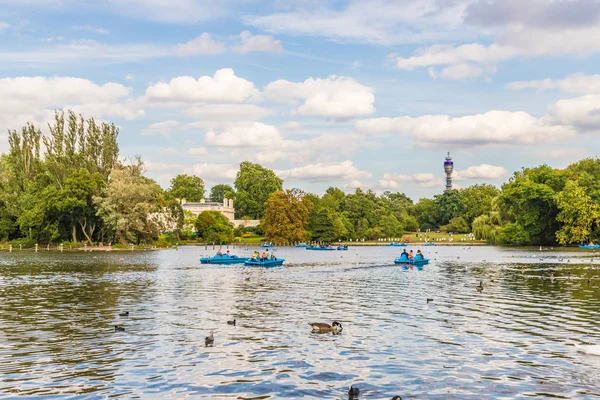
x: 10, y: 248
x: 36, y: 247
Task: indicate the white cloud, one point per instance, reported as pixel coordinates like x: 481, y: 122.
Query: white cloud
x: 291, y: 126
x: 382, y: 22
x: 4, y: 25
x: 162, y: 166
x: 575, y: 83
x: 335, y: 97
x: 395, y: 181
x: 161, y: 128
x: 245, y: 135
x: 354, y: 184
x: 92, y: 29
x: 560, y: 153
x: 324, y: 172
x: 228, y: 112
x: 172, y: 11
x: 254, y: 43
x: 223, y: 86
x: 492, y: 127
x: 203, y: 44
x: 580, y: 112
x: 461, y: 71
x: 483, y: 171
x: 213, y: 172
x: 34, y: 99
x: 197, y: 151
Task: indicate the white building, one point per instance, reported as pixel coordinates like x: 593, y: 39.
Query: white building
x: 225, y: 208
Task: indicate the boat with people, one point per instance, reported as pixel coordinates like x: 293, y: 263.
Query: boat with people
x: 344, y: 247
x: 321, y: 247
x: 267, y: 245
x: 406, y: 258
x: 397, y: 244
x: 301, y: 245
x: 223, y: 259
x: 589, y: 246
x: 258, y: 262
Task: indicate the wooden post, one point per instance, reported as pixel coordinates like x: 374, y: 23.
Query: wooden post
x: 36, y: 247
x: 10, y: 248
x: 61, y: 247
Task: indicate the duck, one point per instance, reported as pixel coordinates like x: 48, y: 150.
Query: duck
x: 592, y: 349
x: 124, y: 314
x: 353, y: 393
x: 231, y: 322
x: 396, y: 398
x: 119, y: 328
x: 480, y: 287
x: 322, y: 327
x: 429, y: 300
x: 209, y: 340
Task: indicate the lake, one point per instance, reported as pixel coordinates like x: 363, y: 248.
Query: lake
x: 512, y: 340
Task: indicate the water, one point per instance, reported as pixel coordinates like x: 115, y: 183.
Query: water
x: 513, y: 340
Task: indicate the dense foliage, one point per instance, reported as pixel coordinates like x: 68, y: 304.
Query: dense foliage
x: 254, y: 184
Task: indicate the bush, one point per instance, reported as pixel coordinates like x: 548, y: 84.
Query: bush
x: 514, y: 234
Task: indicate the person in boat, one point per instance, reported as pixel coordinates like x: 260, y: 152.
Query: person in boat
x: 404, y: 253
x: 263, y: 257
x: 410, y: 255
x: 255, y: 255
x: 228, y: 254
x: 420, y: 255
x: 219, y: 252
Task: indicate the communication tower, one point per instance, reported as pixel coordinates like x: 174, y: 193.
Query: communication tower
x: 448, y: 169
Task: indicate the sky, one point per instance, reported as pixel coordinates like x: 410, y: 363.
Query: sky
x: 368, y: 94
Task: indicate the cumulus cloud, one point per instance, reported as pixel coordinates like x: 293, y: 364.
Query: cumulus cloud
x: 461, y: 71
x: 244, y: 135
x: 492, y: 127
x: 223, y: 86
x: 213, y: 172
x: 162, y: 166
x: 161, y: 128
x: 335, y: 97
x: 254, y: 43
x: 560, y: 153
x: 392, y: 181
x: 228, y: 112
x: 197, y: 151
x: 483, y: 171
x: 34, y: 99
x: 581, y: 112
x: 574, y: 83
x: 203, y: 44
x: 324, y: 172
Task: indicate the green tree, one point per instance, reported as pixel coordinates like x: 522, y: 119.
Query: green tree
x: 458, y: 225
x: 514, y: 234
x: 214, y: 227
x: 188, y: 187
x: 220, y: 192
x: 477, y: 200
x: 287, y: 215
x: 127, y: 204
x: 254, y: 184
x: 578, y: 213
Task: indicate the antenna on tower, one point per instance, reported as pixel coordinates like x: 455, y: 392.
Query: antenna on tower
x: 448, y: 169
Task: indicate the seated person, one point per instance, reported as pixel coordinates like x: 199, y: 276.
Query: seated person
x: 419, y: 255
x: 410, y: 255
x: 219, y: 252
x: 404, y: 254
x: 263, y: 257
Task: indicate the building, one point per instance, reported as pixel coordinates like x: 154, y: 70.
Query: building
x: 225, y: 208
x: 448, y: 169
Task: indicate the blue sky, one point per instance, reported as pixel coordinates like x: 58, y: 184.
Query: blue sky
x: 344, y: 93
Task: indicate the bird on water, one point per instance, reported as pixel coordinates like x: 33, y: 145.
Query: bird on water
x: 119, y: 328
x: 353, y: 393
x: 124, y: 314
x: 480, y: 287
x: 429, y: 300
x: 231, y: 322
x: 322, y: 327
x: 209, y: 340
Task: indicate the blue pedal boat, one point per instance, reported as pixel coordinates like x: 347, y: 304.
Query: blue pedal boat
x: 301, y: 245
x: 417, y: 260
x: 267, y: 245
x: 395, y: 244
x: 589, y: 246
x: 342, y: 247
x: 267, y: 263
x: 320, y: 248
x: 223, y: 259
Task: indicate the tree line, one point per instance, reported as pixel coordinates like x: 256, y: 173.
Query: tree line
x: 71, y: 186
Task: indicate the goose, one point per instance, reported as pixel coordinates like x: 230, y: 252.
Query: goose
x: 396, y: 398
x: 209, y: 340
x: 119, y: 328
x: 480, y: 287
x: 592, y: 349
x: 231, y: 322
x: 353, y: 393
x: 124, y: 314
x: 322, y: 327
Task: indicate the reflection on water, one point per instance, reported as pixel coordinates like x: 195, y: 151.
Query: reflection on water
x: 514, y: 339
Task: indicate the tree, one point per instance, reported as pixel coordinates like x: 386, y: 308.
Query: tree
x: 127, y: 203
x: 214, y: 227
x: 577, y: 213
x: 514, y: 234
x: 458, y: 225
x: 477, y: 200
x: 447, y: 205
x: 287, y: 215
x: 254, y: 184
x: 188, y: 187
x: 220, y: 192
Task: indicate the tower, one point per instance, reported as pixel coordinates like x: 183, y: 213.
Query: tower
x: 448, y: 168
